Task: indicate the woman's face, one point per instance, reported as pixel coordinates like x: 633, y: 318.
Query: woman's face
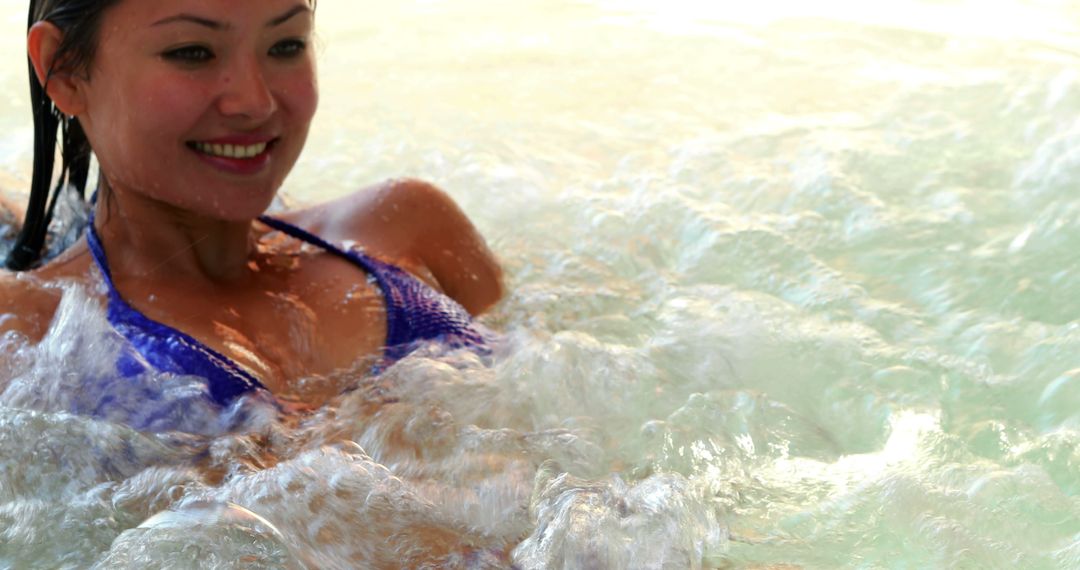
x: 201, y: 104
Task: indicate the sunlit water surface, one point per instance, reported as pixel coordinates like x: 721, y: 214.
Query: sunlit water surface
x: 791, y: 286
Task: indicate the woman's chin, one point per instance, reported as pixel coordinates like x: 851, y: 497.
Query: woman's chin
x: 243, y: 210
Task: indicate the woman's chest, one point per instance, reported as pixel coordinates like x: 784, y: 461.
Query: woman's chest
x: 286, y: 325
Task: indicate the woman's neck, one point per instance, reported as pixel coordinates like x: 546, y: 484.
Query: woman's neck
x: 145, y: 238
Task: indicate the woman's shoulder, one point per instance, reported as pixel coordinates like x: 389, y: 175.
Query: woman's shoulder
x: 419, y: 227
x: 27, y: 304
x: 28, y: 299
x: 384, y: 218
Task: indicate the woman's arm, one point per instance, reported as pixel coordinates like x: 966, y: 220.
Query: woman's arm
x: 448, y: 244
x: 418, y: 226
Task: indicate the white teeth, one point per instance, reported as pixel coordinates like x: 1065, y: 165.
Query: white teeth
x: 231, y: 150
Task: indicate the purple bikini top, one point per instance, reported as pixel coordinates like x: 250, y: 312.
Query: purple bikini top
x: 414, y: 312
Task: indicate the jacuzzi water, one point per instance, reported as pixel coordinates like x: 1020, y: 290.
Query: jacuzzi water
x: 793, y: 285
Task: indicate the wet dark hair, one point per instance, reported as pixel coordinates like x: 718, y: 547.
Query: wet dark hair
x: 79, y: 20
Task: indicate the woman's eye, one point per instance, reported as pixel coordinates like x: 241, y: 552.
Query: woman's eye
x: 288, y: 48
x: 189, y: 54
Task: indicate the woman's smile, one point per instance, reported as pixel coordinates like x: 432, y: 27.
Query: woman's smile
x: 236, y: 155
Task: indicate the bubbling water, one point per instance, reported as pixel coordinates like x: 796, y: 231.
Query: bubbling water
x: 453, y: 480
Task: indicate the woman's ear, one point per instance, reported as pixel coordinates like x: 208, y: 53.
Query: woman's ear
x: 63, y: 87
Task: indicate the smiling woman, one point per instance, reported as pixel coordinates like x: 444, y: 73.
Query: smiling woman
x: 196, y: 111
x: 809, y: 301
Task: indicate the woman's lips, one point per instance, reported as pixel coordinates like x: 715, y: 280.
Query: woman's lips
x: 237, y: 155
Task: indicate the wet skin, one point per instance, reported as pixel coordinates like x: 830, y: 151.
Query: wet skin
x: 170, y: 81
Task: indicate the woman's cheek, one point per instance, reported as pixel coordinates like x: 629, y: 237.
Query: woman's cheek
x: 301, y: 92
x: 174, y: 105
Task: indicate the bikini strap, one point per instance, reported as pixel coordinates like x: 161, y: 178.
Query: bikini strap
x: 166, y: 348
x: 397, y: 324
x: 97, y: 253
x: 301, y: 234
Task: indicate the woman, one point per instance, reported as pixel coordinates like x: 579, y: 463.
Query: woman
x: 196, y: 111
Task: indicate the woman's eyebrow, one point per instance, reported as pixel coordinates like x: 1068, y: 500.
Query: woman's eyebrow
x: 221, y: 26
x: 205, y: 22
x: 299, y: 9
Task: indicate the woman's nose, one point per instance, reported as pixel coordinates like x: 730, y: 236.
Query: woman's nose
x: 245, y: 92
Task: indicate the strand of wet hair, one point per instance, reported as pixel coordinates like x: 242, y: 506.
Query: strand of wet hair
x: 75, y: 165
